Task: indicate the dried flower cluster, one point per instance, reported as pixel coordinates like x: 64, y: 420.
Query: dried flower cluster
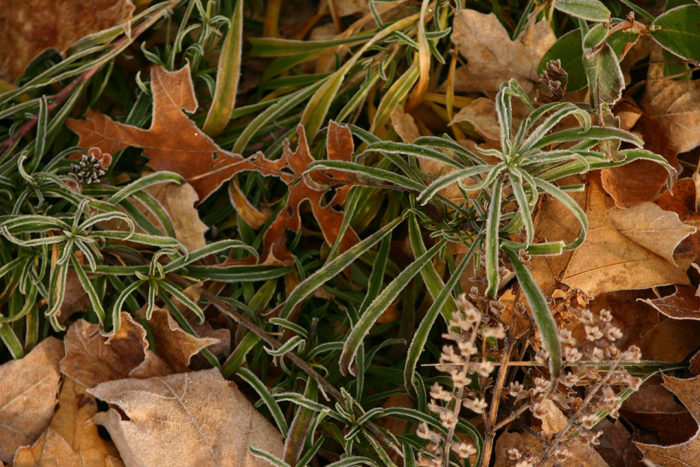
x: 588, y: 391
x: 462, y: 360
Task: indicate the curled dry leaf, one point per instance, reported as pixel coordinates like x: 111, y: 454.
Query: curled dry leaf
x: 91, y: 358
x: 193, y: 418
x: 492, y: 57
x: 682, y: 454
x: 175, y: 346
x: 28, y: 390
x: 682, y: 304
x: 673, y: 104
x: 72, y: 437
x: 30, y: 27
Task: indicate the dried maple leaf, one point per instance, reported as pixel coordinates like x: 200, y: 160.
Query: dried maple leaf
x: 72, y: 437
x: 683, y: 454
x: 28, y: 27
x: 28, y: 389
x: 607, y: 261
x: 195, y: 418
x: 492, y: 57
x: 175, y: 143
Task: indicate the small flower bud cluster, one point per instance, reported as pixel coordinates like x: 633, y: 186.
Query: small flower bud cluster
x: 91, y: 167
x: 461, y: 360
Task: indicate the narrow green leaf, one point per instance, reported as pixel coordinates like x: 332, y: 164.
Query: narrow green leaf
x: 540, y: 312
x: 227, y: 76
x: 379, y: 305
x: 493, y: 221
x: 334, y: 267
x: 420, y: 337
x: 265, y: 395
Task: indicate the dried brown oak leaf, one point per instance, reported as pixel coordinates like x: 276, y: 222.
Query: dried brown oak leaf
x: 553, y: 421
x: 175, y: 143
x: 28, y: 27
x: 687, y: 453
x: 609, y: 260
x: 312, y: 187
x: 28, y: 390
x: 72, y: 437
x: 492, y: 57
x: 195, y: 418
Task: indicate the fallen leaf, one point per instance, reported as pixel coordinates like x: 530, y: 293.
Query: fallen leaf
x: 682, y: 304
x: 682, y: 454
x: 175, y: 346
x: 350, y: 7
x: 671, y: 340
x: 673, y: 104
x: 179, y: 201
x: 193, y: 418
x: 682, y: 200
x: 91, y: 358
x: 653, y: 228
x: 72, y: 437
x: 616, y: 446
x: 29, y: 27
x: 173, y: 142
x: 28, y: 390
x: 75, y: 298
x: 492, y: 57
x: 481, y: 114
x: 339, y: 147
x: 404, y: 125
x: 609, y: 261
x: 654, y: 408
x: 641, y: 181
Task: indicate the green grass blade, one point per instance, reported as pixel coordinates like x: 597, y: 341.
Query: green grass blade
x: 493, y: 221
